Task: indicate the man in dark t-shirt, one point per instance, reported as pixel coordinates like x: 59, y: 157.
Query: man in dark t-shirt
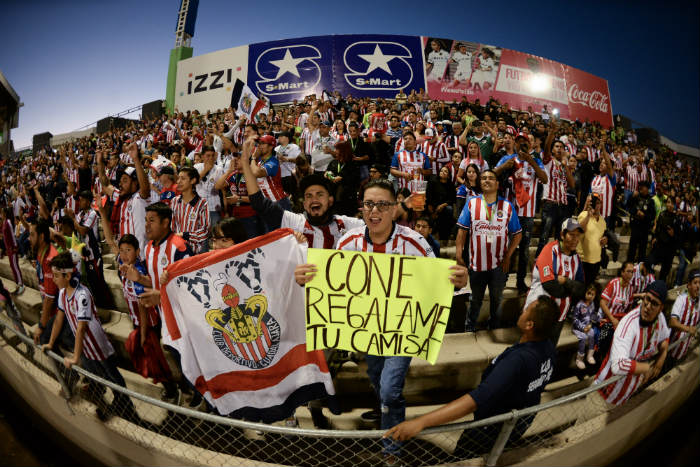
x: 514, y: 380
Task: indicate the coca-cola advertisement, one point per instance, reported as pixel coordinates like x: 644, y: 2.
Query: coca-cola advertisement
x: 588, y: 96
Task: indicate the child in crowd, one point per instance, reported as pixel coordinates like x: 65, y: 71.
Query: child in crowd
x: 585, y: 316
x: 143, y: 343
x: 424, y: 228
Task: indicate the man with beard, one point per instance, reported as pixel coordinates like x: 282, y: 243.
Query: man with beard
x: 639, y: 347
x: 321, y: 228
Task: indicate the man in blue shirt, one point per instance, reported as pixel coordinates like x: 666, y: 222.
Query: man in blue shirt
x: 514, y: 380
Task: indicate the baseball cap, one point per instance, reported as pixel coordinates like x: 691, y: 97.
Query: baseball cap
x: 267, y: 139
x: 429, y: 132
x: 694, y: 273
x: 131, y: 172
x: 571, y: 224
x: 511, y: 130
x: 658, y: 289
x: 446, y: 122
x: 326, y: 122
x: 521, y: 135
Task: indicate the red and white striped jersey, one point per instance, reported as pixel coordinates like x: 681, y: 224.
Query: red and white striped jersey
x: 452, y: 141
x: 633, y: 177
x: 320, y: 236
x: 640, y: 281
x: 402, y: 241
x: 79, y: 306
x: 56, y: 218
x: 271, y: 185
x: 308, y: 136
x: 125, y: 159
x: 192, y: 220
x: 604, y: 186
x: 555, y: 188
x: 593, y: 154
x: 619, y: 298
x: 571, y: 147
x: 687, y: 311
x: 72, y: 202
x: 131, y: 291
x: 480, y: 163
x: 412, y: 162
x: 490, y: 228
x: 552, y: 263
x: 158, y: 257
x: 339, y: 136
x: 89, y: 218
x: 111, y: 175
x: 132, y: 216
x: 523, y: 178
x: 631, y: 343
x: 437, y: 155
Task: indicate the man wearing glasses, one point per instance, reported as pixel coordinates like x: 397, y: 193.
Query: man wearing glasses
x: 639, y: 347
x: 380, y: 234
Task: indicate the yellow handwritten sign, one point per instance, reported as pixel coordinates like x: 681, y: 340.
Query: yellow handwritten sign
x: 377, y: 303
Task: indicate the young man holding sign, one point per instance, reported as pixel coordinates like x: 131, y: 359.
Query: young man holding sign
x: 494, y: 235
x: 381, y: 235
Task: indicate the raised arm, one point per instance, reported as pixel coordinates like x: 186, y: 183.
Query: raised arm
x: 144, y: 184
x: 107, y: 187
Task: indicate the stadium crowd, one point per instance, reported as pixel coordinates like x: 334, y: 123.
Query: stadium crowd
x: 410, y: 176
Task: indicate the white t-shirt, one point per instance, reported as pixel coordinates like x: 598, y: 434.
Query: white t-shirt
x: 464, y: 62
x: 205, y: 187
x: 439, y: 61
x: 288, y: 151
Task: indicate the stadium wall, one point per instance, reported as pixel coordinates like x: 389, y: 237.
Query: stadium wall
x: 379, y: 65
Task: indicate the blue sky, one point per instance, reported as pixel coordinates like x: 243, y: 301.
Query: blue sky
x: 74, y: 62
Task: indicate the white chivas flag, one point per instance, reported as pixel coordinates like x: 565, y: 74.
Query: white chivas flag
x: 237, y: 318
x: 245, y: 102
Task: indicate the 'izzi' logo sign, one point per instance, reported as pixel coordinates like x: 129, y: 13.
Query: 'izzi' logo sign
x: 210, y: 81
x: 289, y: 69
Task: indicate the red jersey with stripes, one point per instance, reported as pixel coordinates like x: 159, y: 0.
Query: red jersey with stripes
x: 633, y: 177
x: 593, y: 154
x: 412, y: 162
x: 490, y: 227
x: 158, y: 257
x: 604, y: 186
x: 47, y: 287
x: 132, y: 290
x: 640, y: 281
x: 437, y: 155
x: 308, y: 136
x: 88, y: 218
x: 321, y: 236
x: 132, y: 215
x: 632, y: 343
x: 192, y: 221
x: 552, y: 262
x: 555, y: 188
x: 687, y: 311
x: 619, y: 298
x: 271, y: 184
x: 72, y: 202
x: 80, y: 307
x: 523, y: 178
x: 402, y: 241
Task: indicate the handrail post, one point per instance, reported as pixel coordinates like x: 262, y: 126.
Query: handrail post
x: 502, y: 439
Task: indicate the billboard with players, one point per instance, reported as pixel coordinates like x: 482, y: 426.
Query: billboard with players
x: 380, y: 65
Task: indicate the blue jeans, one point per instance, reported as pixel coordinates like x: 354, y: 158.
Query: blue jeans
x: 495, y: 279
x: 214, y: 218
x: 526, y: 224
x: 387, y: 375
x: 253, y: 226
x: 551, y: 222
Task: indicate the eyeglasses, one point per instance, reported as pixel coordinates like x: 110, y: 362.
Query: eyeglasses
x: 383, y: 206
x: 651, y: 302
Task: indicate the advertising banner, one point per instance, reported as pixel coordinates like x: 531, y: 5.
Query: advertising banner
x: 379, y: 304
x: 206, y: 82
x: 291, y: 69
x: 454, y: 69
x: 588, y: 96
x: 377, y: 65
x: 527, y: 80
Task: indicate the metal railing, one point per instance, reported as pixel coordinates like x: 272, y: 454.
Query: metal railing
x: 221, y: 440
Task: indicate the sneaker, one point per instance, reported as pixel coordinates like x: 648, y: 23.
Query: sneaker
x: 19, y: 290
x: 291, y: 422
x: 579, y: 362
x: 371, y: 416
x: 590, y: 359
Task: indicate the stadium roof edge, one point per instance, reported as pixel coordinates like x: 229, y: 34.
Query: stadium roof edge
x: 9, y: 88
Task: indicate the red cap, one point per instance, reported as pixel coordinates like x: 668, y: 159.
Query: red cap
x: 521, y: 135
x: 267, y: 139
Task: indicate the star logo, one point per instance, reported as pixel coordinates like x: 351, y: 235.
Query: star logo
x: 377, y: 60
x: 288, y: 64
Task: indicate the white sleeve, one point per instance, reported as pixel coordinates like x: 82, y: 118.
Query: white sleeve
x: 678, y: 307
x: 218, y: 144
x: 620, y: 361
x: 84, y: 300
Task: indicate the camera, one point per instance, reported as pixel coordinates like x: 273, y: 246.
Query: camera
x: 594, y: 202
